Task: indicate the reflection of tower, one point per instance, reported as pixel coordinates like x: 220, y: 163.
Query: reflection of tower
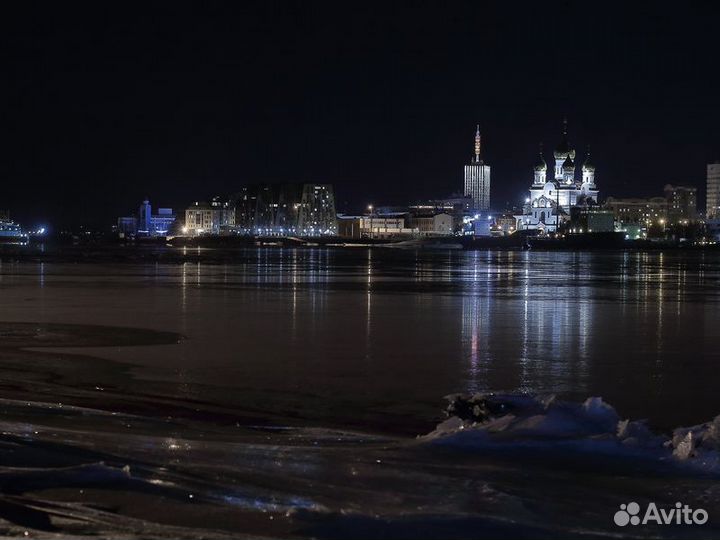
x: 477, y: 178
x: 474, y: 340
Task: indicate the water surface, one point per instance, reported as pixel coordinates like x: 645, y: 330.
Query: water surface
x: 359, y: 346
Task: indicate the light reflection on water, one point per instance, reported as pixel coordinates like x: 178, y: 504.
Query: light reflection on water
x: 394, y: 331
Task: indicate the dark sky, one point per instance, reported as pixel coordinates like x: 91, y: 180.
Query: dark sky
x: 105, y: 104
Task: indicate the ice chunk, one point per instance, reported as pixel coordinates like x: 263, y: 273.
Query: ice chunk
x: 685, y: 447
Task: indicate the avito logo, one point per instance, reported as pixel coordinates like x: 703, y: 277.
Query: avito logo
x: 629, y: 514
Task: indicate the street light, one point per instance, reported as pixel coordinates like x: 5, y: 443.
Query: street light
x: 372, y: 232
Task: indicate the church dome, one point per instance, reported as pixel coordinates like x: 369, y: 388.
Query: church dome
x: 540, y: 164
x: 562, y: 149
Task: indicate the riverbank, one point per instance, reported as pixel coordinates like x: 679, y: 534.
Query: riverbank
x: 221, y: 250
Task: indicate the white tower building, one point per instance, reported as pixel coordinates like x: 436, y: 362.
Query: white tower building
x: 477, y: 178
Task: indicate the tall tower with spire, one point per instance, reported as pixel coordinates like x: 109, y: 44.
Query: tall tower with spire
x: 477, y: 177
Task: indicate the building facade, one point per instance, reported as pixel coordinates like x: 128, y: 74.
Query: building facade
x: 591, y: 219
x: 286, y: 209
x: 374, y: 226
x: 317, y: 214
x: 457, y: 206
x: 505, y: 223
x: 681, y: 203
x: 145, y: 223
x: 637, y: 211
x: 713, y: 191
x: 215, y: 217
x: 433, y: 224
x: 551, y: 199
x: 477, y: 178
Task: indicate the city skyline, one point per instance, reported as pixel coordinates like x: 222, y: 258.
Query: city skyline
x: 257, y: 93
x: 476, y: 160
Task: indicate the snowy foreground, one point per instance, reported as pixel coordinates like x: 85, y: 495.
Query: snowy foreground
x: 540, y: 471
x: 82, y: 459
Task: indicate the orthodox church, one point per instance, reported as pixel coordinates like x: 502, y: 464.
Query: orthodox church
x: 551, y: 199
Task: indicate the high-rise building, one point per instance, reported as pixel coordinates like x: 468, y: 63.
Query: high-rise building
x: 317, y: 214
x: 477, y: 178
x: 286, y: 209
x: 681, y: 203
x: 713, y: 191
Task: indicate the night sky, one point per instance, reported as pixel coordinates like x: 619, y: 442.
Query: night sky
x: 105, y: 104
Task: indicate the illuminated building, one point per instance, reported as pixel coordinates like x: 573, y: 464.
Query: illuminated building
x: 433, y: 224
x: 681, y: 203
x: 713, y: 191
x: 286, y: 209
x: 550, y: 200
x: 145, y: 223
x: 637, y: 211
x: 477, y: 178
x: 458, y: 206
x: 505, y: 223
x: 209, y: 218
x: 317, y: 214
x: 375, y: 226
x: 591, y: 219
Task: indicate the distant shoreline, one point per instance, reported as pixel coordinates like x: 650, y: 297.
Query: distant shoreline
x: 224, y: 252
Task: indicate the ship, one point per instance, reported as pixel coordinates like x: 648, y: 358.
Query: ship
x: 11, y: 232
